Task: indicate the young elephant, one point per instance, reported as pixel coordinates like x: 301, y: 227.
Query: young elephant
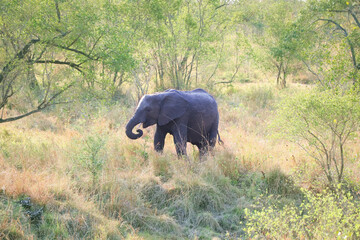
x: 190, y: 116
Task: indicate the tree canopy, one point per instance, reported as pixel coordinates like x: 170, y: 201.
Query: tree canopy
x: 50, y: 46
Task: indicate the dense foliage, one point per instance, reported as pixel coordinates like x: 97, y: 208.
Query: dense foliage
x: 71, y: 73
x: 321, y: 123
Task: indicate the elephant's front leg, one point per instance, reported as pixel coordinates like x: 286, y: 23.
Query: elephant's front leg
x: 159, y: 139
x: 180, y: 138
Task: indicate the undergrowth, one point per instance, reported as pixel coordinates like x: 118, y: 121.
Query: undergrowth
x: 325, y: 215
x: 86, y: 180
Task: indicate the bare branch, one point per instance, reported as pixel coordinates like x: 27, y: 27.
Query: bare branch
x: 60, y: 92
x: 20, y: 55
x: 314, y: 73
x: 354, y: 17
x: 44, y: 104
x: 316, y: 138
x: 234, y: 74
x: 20, y: 116
x: 351, y: 45
x: 93, y: 47
x: 220, y: 6
x: 191, y: 68
x: 57, y: 10
x: 73, y: 42
x: 41, y: 54
x: 71, y: 64
x: 313, y: 156
x: 218, y: 62
x: 336, y: 24
x: 74, y: 50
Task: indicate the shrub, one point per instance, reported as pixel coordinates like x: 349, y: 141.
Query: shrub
x: 326, y: 215
x: 278, y: 183
x: 321, y: 123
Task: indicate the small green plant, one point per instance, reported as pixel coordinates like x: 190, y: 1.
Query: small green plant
x: 92, y: 158
x: 143, y: 151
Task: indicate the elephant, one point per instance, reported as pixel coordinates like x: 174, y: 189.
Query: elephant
x: 189, y: 116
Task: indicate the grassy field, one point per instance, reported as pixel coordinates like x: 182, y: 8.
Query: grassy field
x: 73, y: 174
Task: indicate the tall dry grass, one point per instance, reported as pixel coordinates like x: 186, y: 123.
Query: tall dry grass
x: 139, y: 191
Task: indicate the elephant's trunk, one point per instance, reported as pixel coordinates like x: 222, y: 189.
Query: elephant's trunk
x: 129, y: 127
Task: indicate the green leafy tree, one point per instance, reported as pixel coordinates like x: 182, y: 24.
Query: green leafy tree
x: 116, y: 48
x: 35, y: 36
x: 48, y: 46
x: 173, y: 38
x: 321, y: 123
x: 335, y: 35
x: 274, y: 34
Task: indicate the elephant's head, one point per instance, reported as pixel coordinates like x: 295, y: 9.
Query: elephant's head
x: 158, y: 109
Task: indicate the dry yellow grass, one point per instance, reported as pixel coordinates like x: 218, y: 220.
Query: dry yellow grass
x: 36, y: 185
x: 42, y: 161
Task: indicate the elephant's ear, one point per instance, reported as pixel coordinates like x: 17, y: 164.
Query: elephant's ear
x: 173, y: 106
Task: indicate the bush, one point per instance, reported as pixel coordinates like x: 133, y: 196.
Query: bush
x: 326, y: 215
x: 321, y: 123
x: 278, y: 183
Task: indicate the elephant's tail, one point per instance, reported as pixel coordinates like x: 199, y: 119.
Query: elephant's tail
x: 219, y: 139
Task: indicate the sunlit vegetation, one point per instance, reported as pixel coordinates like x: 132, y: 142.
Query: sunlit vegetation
x: 285, y: 74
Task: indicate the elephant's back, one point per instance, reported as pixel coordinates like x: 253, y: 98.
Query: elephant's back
x: 202, y: 106
x: 199, y: 95
x: 203, y: 115
x: 203, y: 102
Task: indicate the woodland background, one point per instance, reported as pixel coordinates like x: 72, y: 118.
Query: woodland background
x: 285, y: 74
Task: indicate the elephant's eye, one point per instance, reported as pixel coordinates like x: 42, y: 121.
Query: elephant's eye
x: 147, y: 109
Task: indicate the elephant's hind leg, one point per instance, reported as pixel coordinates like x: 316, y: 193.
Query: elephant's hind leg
x: 213, y: 136
x: 203, y: 149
